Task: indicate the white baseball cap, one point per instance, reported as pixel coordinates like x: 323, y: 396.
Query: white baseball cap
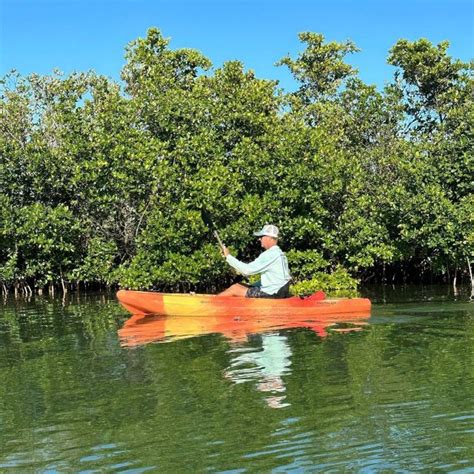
x: 268, y: 229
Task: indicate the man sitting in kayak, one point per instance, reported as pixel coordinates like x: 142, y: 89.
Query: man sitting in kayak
x: 271, y: 264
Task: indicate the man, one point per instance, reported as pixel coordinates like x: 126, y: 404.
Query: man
x: 271, y: 264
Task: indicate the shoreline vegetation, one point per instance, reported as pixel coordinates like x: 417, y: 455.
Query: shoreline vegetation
x: 103, y: 183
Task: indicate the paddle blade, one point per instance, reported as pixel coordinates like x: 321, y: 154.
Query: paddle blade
x: 207, y: 219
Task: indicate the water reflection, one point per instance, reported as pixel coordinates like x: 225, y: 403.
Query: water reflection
x: 260, y: 354
x: 139, y: 329
x: 266, y: 365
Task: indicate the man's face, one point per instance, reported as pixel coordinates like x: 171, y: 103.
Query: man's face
x: 266, y: 242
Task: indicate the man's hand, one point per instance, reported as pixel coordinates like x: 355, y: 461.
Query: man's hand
x: 225, y: 251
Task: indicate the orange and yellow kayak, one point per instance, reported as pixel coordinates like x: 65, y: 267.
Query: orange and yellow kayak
x: 167, y: 304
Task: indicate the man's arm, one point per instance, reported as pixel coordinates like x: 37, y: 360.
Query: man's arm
x: 259, y: 265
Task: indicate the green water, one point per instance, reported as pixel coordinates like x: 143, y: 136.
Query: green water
x: 397, y: 395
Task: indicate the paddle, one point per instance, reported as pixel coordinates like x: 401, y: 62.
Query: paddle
x: 207, y: 219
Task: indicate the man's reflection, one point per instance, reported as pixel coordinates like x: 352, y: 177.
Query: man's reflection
x: 266, y: 366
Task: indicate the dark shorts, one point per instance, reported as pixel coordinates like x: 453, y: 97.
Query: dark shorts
x: 256, y: 292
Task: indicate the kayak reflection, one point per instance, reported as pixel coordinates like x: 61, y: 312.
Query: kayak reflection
x: 144, y: 329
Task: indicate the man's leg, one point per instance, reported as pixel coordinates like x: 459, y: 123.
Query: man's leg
x: 235, y: 290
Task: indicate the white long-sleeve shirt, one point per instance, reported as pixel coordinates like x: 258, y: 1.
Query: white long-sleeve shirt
x: 271, y: 264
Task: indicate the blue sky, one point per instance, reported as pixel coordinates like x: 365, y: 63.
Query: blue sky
x: 78, y: 35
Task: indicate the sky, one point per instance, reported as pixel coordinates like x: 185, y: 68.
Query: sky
x: 80, y: 35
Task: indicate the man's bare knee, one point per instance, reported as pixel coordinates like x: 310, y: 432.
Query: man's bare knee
x: 234, y: 290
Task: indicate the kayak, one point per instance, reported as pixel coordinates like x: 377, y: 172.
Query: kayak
x: 170, y: 304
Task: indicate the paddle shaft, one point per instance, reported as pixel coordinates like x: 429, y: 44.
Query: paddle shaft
x: 221, y: 245
x: 206, y: 217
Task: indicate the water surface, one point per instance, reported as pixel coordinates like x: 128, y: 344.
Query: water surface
x: 395, y: 394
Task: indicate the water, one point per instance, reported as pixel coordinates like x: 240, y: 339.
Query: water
x: 392, y: 395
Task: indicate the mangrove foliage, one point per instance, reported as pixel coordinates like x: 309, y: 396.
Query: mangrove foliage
x: 103, y: 182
